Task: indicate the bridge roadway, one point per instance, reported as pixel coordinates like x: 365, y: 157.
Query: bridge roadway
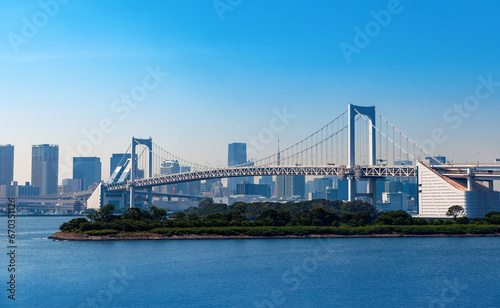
x: 340, y: 171
x: 480, y: 172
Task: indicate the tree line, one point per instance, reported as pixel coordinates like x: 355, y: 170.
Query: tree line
x: 315, y: 213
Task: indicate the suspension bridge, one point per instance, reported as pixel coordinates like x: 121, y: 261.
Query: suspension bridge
x: 358, y: 144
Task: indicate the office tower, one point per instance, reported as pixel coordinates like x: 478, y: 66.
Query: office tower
x: 170, y: 167
x: 45, y: 167
x: 6, y: 164
x: 87, y: 170
x: 26, y: 190
x: 280, y: 186
x: 435, y: 160
x: 269, y: 181
x: 71, y: 185
x: 297, y: 187
x: 237, y: 155
x: 118, y: 160
x: 207, y: 185
x: 254, y: 189
x: 343, y: 189
x: 320, y: 184
x: 189, y: 188
x: 290, y: 186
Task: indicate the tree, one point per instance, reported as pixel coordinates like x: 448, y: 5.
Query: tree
x: 394, y: 218
x: 456, y: 211
x: 492, y: 218
x: 104, y: 214
x: 276, y: 217
x: 158, y: 214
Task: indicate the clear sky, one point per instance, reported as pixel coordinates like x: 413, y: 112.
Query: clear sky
x: 64, y: 67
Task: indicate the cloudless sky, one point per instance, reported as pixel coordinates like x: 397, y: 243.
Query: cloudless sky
x: 227, y: 76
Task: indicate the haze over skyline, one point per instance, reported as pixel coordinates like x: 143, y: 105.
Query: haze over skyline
x: 196, y: 77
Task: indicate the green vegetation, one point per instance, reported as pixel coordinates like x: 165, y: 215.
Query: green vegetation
x: 276, y: 219
x: 456, y: 211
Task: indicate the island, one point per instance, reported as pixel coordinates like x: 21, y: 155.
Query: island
x: 270, y: 220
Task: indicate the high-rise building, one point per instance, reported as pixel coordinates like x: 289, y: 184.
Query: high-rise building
x: 87, y: 170
x: 290, y: 186
x: 280, y: 187
x: 71, y: 185
x: 170, y: 167
x: 45, y: 168
x: 189, y: 188
x: 237, y: 155
x: 269, y: 181
x: 6, y: 164
x: 254, y: 189
x: 435, y: 160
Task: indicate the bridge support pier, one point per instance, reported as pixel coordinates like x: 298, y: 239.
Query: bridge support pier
x: 132, y: 196
x: 150, y: 196
x: 373, y: 191
x: 489, y: 183
x: 470, y: 180
x: 351, y: 187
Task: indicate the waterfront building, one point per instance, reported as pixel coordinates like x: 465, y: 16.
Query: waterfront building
x: 6, y: 164
x: 45, y: 168
x: 437, y: 193
x: 237, y: 156
x: 87, y: 170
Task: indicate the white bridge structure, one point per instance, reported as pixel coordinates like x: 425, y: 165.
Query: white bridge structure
x: 359, y: 144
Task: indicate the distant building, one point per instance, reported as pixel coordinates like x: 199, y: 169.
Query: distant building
x: 403, y: 163
x: 290, y: 187
x: 6, y: 164
x: 254, y: 189
x: 71, y: 185
x: 77, y: 206
x: 45, y: 168
x: 343, y: 187
x: 269, y: 181
x: 169, y: 167
x: 393, y: 186
x: 87, y: 170
x: 236, y: 156
x: 15, y: 190
x: 280, y: 187
x: 27, y: 190
x: 189, y: 188
x: 394, y: 201
x: 435, y: 160
x: 206, y: 187
x: 320, y: 184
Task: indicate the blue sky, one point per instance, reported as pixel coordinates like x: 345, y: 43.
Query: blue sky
x: 225, y: 77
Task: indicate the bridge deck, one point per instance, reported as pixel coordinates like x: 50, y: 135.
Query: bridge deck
x: 340, y: 171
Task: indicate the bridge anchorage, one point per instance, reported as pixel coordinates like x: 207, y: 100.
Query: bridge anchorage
x: 359, y: 144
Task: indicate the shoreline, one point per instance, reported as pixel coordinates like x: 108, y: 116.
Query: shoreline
x: 69, y: 236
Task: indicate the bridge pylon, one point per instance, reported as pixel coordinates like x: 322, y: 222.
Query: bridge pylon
x: 369, y: 112
x: 149, y: 144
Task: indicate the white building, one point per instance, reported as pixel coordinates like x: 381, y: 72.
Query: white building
x: 437, y: 193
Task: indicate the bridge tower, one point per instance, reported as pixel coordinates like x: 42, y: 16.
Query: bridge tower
x: 149, y: 144
x: 369, y: 112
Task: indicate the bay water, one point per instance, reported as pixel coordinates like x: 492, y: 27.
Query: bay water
x: 361, y: 272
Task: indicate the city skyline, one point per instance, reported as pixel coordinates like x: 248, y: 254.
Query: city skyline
x: 429, y: 68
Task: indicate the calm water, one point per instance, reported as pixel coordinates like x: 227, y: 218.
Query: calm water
x: 418, y: 272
